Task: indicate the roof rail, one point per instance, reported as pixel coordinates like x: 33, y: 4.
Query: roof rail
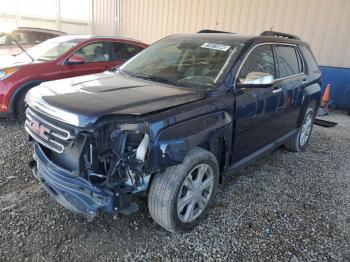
x: 279, y: 34
x: 212, y: 31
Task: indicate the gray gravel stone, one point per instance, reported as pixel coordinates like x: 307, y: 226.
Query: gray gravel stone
x: 286, y: 206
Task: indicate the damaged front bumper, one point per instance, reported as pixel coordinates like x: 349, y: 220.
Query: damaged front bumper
x: 74, y: 192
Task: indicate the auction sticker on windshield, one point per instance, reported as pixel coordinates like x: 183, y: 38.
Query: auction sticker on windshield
x: 216, y: 46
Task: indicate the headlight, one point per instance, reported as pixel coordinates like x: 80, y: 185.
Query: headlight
x: 5, y: 73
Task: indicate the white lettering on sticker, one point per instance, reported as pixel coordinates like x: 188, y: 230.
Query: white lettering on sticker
x: 216, y: 46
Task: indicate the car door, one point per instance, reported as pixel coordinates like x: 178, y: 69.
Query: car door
x: 256, y: 107
x: 291, y: 79
x: 96, y: 56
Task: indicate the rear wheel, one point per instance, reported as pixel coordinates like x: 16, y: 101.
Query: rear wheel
x: 180, y: 197
x: 300, y: 140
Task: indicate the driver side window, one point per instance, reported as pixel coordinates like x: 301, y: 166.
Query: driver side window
x: 260, y: 61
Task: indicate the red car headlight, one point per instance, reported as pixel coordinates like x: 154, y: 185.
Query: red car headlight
x: 7, y: 72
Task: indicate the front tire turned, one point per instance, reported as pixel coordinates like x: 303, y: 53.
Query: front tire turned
x: 180, y: 197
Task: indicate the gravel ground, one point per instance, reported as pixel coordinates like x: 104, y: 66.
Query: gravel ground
x: 287, y: 206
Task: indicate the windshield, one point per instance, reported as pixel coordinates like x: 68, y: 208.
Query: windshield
x: 50, y: 49
x: 189, y: 62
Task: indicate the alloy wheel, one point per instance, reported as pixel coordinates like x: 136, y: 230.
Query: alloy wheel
x: 195, y: 193
x: 305, y: 130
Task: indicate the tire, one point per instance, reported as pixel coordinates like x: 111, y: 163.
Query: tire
x: 20, y: 107
x: 170, y: 191
x: 298, y: 142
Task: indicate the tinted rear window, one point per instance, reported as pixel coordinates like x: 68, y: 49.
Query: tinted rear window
x: 311, y: 64
x: 124, y: 51
x: 288, y: 61
x: 39, y: 37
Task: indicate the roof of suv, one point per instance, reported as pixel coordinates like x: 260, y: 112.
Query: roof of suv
x: 266, y: 36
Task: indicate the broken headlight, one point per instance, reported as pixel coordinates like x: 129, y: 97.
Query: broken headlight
x: 123, y: 155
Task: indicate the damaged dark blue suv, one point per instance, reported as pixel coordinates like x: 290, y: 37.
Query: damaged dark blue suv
x: 171, y: 123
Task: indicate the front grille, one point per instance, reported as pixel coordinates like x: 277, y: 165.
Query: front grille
x: 47, y: 133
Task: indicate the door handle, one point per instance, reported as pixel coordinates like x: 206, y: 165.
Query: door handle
x: 304, y: 82
x: 277, y: 90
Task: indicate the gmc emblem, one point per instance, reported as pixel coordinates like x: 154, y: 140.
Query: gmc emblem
x: 39, y: 130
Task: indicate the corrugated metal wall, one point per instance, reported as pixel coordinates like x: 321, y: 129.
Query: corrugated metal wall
x: 50, y: 14
x: 69, y: 26
x: 325, y: 24
x: 105, y: 17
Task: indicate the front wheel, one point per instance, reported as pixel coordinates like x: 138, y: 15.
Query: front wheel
x: 180, y: 197
x: 20, y: 107
x: 300, y: 140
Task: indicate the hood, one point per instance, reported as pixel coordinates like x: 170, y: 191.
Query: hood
x: 7, y: 61
x: 80, y: 101
x: 13, y: 49
x: 9, y: 50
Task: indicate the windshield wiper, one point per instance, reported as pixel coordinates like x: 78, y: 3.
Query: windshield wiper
x: 20, y: 46
x: 155, y: 78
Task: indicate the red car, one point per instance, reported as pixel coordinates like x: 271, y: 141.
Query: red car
x: 57, y: 58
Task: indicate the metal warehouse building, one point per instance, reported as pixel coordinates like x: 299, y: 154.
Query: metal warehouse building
x: 325, y: 24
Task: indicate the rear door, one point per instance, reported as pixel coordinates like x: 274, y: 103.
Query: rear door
x: 97, y: 58
x: 256, y: 108
x: 291, y: 79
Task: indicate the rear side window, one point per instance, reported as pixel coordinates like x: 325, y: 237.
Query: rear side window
x: 311, y: 64
x: 260, y: 60
x: 124, y: 51
x: 288, y: 62
x: 38, y: 37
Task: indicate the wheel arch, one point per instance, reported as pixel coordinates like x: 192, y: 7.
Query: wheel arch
x: 212, y: 132
x: 22, y: 88
x: 311, y: 98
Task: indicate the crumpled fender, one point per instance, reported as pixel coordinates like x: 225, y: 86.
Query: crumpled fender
x: 207, y: 131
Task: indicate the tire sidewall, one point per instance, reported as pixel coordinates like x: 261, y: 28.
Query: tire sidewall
x: 20, y: 106
x: 185, y: 169
x: 309, y: 111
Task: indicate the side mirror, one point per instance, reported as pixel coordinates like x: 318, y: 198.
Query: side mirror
x: 75, y: 60
x: 258, y: 79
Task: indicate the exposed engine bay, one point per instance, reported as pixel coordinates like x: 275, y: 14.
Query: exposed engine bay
x: 116, y: 157
x: 112, y: 158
